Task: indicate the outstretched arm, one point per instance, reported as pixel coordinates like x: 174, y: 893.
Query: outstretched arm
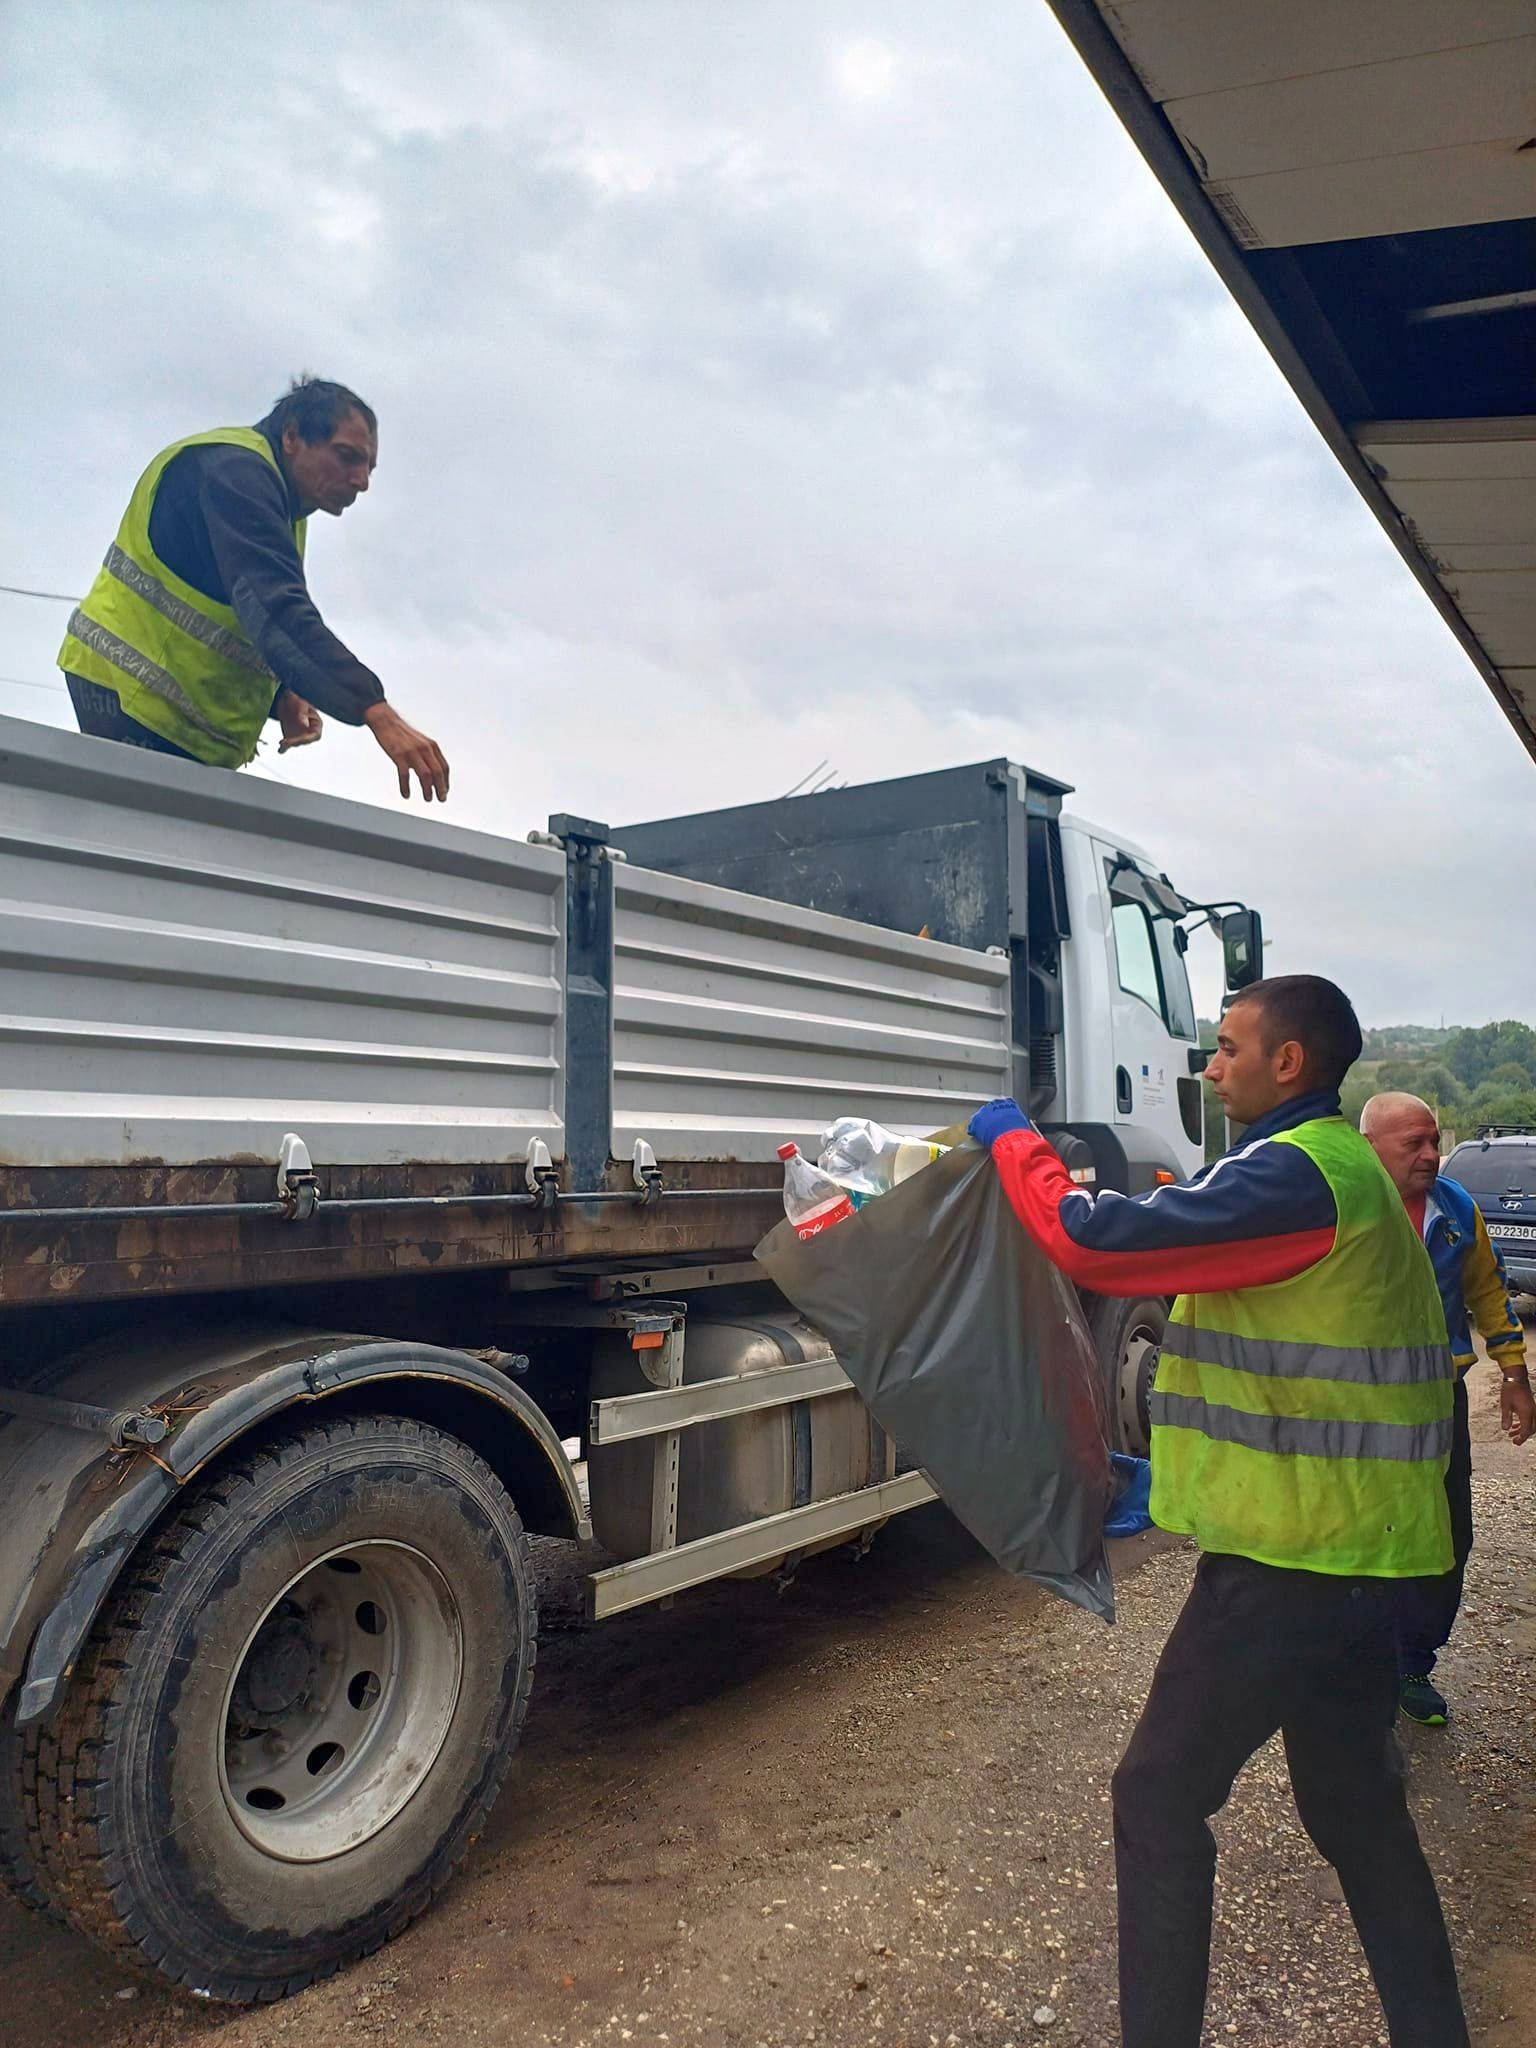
x: 1263, y: 1213
x: 1485, y: 1286
x: 245, y: 505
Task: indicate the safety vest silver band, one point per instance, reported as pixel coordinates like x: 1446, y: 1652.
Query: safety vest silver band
x: 1397, y: 1365
x: 1303, y: 1436
x: 146, y: 673
x: 191, y: 621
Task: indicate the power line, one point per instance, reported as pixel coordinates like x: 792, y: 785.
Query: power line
x: 26, y: 683
x: 21, y: 590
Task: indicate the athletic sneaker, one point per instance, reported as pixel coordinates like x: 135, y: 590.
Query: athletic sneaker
x: 1419, y: 1699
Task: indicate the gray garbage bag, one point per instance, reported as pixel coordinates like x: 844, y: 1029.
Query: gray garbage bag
x: 972, y: 1352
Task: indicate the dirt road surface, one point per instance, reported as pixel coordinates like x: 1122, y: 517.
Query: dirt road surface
x: 874, y: 1810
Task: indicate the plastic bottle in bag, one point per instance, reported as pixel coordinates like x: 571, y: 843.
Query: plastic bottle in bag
x: 813, y: 1201
x: 870, y: 1159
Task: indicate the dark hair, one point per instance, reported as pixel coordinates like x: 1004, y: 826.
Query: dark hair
x: 1316, y: 1013
x: 317, y: 408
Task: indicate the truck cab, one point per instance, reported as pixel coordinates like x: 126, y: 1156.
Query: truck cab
x: 1129, y: 1015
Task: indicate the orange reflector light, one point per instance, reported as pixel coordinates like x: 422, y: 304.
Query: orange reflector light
x: 1164, y: 1178
x: 652, y: 1340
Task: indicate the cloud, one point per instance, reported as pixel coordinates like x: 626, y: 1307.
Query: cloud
x: 757, y: 386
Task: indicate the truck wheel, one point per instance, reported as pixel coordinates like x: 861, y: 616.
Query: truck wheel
x: 1127, y: 1335
x: 295, y: 1713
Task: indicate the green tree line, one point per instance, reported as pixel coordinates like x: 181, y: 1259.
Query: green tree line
x: 1470, y: 1074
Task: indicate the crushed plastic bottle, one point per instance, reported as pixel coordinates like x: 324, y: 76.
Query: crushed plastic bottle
x: 813, y: 1201
x: 869, y: 1159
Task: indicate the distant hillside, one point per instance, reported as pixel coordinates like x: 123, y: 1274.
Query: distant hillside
x: 1406, y: 1041
x: 1472, y: 1074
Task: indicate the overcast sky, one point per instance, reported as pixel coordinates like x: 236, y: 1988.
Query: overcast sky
x: 760, y: 384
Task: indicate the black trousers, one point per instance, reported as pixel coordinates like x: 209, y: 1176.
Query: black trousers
x: 1257, y: 1649
x: 1430, y: 1605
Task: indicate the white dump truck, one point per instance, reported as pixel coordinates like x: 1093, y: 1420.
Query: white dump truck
x: 362, y: 1179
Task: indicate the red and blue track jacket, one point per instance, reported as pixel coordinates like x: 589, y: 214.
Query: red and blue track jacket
x: 1258, y: 1214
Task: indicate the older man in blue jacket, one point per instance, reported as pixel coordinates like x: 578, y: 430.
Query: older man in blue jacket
x: 1474, y: 1289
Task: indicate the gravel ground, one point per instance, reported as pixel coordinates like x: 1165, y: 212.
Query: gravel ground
x: 874, y: 1810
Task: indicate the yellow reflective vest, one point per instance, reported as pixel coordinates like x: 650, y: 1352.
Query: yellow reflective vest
x: 178, y: 661
x: 1308, y: 1423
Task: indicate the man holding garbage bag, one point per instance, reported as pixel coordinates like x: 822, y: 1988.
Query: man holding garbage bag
x: 1301, y: 1425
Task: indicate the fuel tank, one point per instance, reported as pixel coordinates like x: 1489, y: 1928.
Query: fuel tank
x: 744, y: 1467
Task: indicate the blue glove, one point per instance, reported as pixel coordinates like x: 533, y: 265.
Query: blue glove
x: 994, y: 1118
x: 1130, y: 1511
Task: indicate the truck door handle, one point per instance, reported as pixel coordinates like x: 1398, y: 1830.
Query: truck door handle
x: 1122, y: 1091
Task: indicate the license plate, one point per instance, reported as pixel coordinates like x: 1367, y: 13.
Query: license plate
x: 1526, y: 1232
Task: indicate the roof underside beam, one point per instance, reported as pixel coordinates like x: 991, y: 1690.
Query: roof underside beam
x: 1363, y: 178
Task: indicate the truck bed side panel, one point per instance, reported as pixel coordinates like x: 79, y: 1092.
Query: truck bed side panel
x: 195, y: 963
x: 739, y: 1023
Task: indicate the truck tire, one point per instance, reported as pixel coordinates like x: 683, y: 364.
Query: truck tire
x: 295, y: 1713
x: 1127, y: 1335
x: 19, y: 1874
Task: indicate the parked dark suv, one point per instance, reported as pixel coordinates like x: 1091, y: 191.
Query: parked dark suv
x: 1498, y: 1170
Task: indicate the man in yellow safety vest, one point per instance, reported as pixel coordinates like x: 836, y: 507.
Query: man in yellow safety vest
x: 1301, y: 1426
x: 200, y: 626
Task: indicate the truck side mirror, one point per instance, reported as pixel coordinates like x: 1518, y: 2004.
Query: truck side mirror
x: 1242, y: 948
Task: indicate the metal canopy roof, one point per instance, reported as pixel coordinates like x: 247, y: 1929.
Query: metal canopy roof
x: 1362, y: 173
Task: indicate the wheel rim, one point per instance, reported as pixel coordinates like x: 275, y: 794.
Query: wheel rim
x: 341, y: 1701
x: 1138, y: 1362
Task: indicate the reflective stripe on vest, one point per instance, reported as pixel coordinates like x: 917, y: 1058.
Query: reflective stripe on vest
x: 1366, y: 1365
x: 1308, y: 1423
x: 232, y: 646
x: 137, y: 667
x: 1300, y: 1436
x: 178, y: 661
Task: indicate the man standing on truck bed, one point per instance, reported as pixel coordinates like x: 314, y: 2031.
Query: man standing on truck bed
x: 1404, y: 1133
x: 200, y: 626
x: 1301, y: 1424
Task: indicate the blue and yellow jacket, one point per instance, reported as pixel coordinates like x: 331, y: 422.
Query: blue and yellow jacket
x: 1473, y: 1285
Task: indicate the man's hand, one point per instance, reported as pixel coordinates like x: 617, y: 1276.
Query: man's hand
x: 994, y: 1118
x: 301, y: 723
x: 411, y: 751
x: 1517, y: 1408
